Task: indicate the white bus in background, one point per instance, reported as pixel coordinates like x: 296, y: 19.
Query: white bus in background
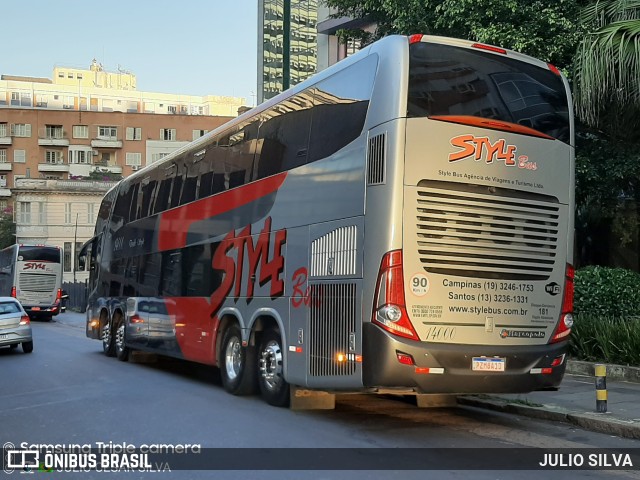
x: 33, y: 275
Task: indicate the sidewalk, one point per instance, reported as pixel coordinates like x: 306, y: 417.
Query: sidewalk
x: 575, y: 401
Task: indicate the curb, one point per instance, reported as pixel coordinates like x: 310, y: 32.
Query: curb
x: 595, y: 422
x: 589, y: 421
x: 623, y: 373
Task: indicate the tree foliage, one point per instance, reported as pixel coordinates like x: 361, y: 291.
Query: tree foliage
x: 607, y: 68
x: 546, y: 29
x: 7, y: 228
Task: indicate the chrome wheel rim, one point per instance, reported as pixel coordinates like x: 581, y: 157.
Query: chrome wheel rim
x: 106, y: 334
x: 271, y: 365
x: 233, y: 358
x: 120, y: 337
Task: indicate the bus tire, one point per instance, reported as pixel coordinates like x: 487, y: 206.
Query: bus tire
x: 273, y: 387
x: 122, y: 351
x: 238, y: 364
x: 27, y: 347
x: 108, y: 344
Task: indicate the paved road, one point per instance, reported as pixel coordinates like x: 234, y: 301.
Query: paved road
x: 68, y: 392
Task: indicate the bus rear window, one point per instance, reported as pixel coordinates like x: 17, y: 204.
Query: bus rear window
x: 446, y: 80
x: 44, y: 254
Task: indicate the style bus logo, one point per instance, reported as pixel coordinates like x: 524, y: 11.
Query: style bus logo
x: 480, y: 148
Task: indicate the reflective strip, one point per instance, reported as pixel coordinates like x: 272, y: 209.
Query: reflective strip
x: 428, y: 370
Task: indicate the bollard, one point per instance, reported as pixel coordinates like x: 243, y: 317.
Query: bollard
x: 601, y: 388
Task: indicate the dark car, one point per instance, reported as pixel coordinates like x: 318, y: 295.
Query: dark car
x: 15, y: 327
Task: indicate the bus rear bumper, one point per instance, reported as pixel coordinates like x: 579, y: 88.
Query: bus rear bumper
x: 446, y: 368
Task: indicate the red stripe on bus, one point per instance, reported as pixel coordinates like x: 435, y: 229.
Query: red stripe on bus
x: 491, y: 124
x: 175, y: 224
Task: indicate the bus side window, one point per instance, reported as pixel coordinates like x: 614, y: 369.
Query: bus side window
x: 340, y: 106
x: 283, y: 138
x: 178, y: 180
x: 171, y: 274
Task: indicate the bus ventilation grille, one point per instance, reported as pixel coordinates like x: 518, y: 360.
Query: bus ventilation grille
x: 334, y: 254
x: 333, y: 322
x: 486, y: 232
x: 376, y: 159
x: 34, y: 282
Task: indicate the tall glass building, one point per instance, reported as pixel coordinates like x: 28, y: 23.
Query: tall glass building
x: 287, y: 44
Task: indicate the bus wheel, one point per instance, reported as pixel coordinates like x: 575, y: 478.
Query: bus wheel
x: 122, y: 351
x: 27, y: 347
x: 108, y: 346
x: 237, y: 363
x: 273, y: 387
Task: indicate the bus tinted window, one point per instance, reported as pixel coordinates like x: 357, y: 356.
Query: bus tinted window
x: 340, y: 108
x: 45, y: 254
x: 447, y: 80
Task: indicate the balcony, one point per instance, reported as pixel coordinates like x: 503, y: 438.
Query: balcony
x: 4, y: 140
x: 116, y: 169
x: 106, y: 143
x: 53, y: 167
x: 5, y: 167
x: 4, y: 192
x: 52, y: 137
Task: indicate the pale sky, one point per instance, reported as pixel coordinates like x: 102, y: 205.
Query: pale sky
x: 190, y: 47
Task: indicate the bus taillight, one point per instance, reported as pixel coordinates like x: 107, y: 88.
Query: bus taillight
x: 59, y: 295
x: 390, y: 310
x: 566, y: 317
x: 14, y: 294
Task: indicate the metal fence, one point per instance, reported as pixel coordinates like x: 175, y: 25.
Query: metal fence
x: 77, y: 292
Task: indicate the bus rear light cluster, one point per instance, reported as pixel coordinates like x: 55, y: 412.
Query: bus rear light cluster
x: 404, y: 358
x: 566, y: 316
x: 389, y: 308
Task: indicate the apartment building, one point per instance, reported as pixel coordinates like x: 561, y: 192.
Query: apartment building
x: 65, y: 141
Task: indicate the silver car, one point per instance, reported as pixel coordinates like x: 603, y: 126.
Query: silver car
x: 15, y: 326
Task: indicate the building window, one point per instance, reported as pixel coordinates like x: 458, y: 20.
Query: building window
x: 134, y: 133
x: 91, y: 213
x: 82, y: 155
x: 21, y: 129
x: 168, y: 134
x: 157, y: 156
x: 67, y: 103
x: 171, y: 108
x: 66, y: 257
x: 80, y: 131
x: 198, y: 133
x: 3, y: 184
x: 60, y: 74
x: 108, y: 133
x: 19, y: 156
x: 53, y: 156
x: 133, y: 159
x: 53, y: 131
x: 3, y: 129
x: 24, y: 213
x: 3, y: 155
x: 67, y: 213
x: 76, y: 254
x: 42, y: 213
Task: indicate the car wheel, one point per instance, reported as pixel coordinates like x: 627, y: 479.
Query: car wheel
x: 122, y: 351
x: 273, y: 387
x: 238, y: 366
x: 108, y: 345
x: 27, y: 347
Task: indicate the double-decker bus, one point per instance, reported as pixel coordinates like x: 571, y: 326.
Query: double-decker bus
x: 33, y: 275
x: 401, y: 221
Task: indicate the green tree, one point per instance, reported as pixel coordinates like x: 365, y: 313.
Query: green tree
x: 607, y: 68
x: 7, y: 228
x: 545, y: 29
